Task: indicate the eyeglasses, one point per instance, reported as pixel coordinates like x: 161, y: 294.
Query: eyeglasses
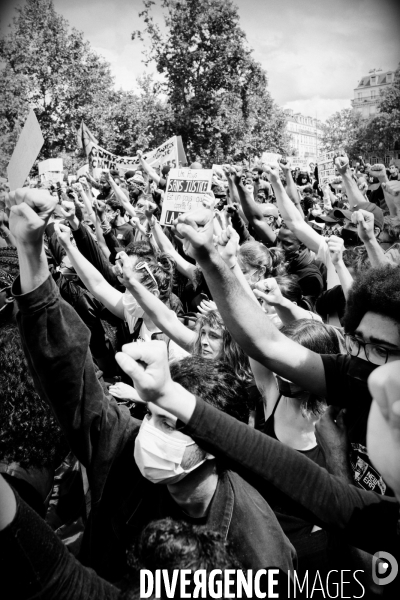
x: 377, y: 355
x: 143, y: 265
x: 9, y: 297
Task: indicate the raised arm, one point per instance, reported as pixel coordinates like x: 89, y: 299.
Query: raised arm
x: 290, y: 214
x: 246, y: 321
x: 291, y: 187
x: 253, y: 214
x: 355, y: 196
x: 333, y: 503
x: 91, y: 277
x: 183, y: 265
x: 365, y: 229
x: 56, y: 343
x: 152, y: 173
x: 158, y: 312
x: 336, y: 247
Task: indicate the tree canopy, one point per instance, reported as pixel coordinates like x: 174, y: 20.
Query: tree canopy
x: 380, y: 133
x: 216, y: 91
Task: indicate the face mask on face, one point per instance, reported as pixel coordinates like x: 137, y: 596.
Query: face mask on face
x: 289, y: 389
x: 159, y: 455
x: 131, y: 306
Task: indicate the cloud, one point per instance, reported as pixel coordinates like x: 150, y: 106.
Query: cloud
x: 317, y: 107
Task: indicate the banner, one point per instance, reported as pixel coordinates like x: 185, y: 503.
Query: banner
x: 29, y: 144
x: 326, y: 167
x: 51, y: 170
x: 170, y: 153
x: 184, y: 192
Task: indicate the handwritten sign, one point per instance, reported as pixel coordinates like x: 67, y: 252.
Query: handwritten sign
x: 29, y: 144
x: 326, y: 167
x: 170, y: 153
x: 184, y: 192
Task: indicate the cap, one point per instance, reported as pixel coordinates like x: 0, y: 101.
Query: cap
x: 326, y: 217
x: 129, y: 174
x: 165, y: 169
x: 369, y: 207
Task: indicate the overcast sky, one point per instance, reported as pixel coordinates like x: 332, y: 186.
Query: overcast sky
x: 314, y: 51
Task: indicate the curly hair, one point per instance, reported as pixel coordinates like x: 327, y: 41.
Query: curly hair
x: 231, y: 353
x: 169, y: 544
x: 29, y: 433
x: 142, y: 249
x: 163, y: 270
x: 376, y: 290
x: 215, y: 382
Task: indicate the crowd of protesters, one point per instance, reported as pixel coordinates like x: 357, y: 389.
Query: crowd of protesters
x: 220, y: 394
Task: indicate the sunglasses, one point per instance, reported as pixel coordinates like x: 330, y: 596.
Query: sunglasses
x: 143, y: 265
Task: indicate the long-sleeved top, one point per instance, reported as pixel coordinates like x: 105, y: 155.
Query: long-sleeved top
x: 368, y: 520
x: 102, y: 436
x: 34, y: 563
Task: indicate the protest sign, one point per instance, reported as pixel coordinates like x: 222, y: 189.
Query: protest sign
x: 301, y: 163
x: 270, y: 157
x: 170, y: 153
x: 326, y: 167
x: 25, y: 152
x: 51, y: 170
x: 184, y: 192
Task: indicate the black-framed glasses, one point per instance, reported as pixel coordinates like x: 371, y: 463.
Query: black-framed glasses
x: 375, y: 354
x: 143, y: 265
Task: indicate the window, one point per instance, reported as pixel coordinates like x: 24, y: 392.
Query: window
x: 374, y: 160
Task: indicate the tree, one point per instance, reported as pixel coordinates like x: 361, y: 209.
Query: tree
x: 53, y: 70
x: 378, y: 134
x: 217, y: 91
x: 341, y: 131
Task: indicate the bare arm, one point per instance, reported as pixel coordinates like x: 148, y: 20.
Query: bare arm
x: 247, y: 323
x: 254, y: 214
x: 291, y: 215
x: 91, y: 277
x: 291, y: 187
x: 152, y: 173
x: 158, y: 312
x: 183, y: 266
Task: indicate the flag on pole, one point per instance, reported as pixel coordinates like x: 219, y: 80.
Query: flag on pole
x: 85, y: 138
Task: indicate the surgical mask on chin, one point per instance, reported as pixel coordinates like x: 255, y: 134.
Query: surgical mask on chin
x: 159, y: 455
x: 131, y: 305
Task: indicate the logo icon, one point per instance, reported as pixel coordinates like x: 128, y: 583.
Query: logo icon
x: 384, y: 568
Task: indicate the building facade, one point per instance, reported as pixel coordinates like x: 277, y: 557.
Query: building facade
x: 368, y: 91
x: 305, y: 134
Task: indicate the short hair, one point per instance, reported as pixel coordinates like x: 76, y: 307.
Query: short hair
x: 142, y: 249
x: 29, y: 433
x: 215, y: 382
x: 375, y: 290
x: 116, y: 205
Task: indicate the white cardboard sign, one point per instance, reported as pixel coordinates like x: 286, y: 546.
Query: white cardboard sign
x: 184, y: 192
x: 29, y: 144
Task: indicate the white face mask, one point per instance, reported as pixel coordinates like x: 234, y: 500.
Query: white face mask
x: 131, y: 305
x: 159, y: 455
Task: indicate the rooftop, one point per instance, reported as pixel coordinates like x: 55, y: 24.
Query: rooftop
x: 380, y: 78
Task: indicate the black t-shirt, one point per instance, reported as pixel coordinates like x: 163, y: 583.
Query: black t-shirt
x: 125, y: 234
x: 330, y: 302
x: 346, y: 384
